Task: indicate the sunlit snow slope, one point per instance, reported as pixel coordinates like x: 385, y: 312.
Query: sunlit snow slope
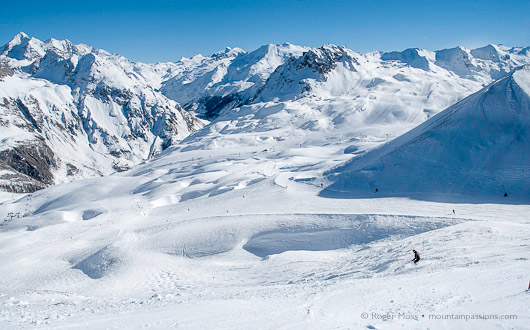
x: 476, y: 148
x: 228, y: 230
x: 71, y: 111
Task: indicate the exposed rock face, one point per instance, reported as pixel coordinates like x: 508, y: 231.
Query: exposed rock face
x: 5, y: 69
x: 32, y: 165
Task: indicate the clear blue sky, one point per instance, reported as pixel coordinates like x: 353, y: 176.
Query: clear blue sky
x: 165, y: 30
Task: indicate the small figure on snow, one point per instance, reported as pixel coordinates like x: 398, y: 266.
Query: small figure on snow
x: 416, y: 256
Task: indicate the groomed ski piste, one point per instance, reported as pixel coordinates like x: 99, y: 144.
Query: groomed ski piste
x: 245, y: 228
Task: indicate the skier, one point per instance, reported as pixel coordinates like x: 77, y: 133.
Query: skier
x: 416, y: 256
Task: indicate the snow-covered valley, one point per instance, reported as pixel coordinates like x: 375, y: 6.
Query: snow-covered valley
x: 268, y: 216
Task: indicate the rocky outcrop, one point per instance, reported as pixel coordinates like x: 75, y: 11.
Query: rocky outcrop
x: 5, y: 69
x: 27, y: 168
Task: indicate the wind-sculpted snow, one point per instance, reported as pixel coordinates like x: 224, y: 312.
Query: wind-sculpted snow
x: 347, y: 230
x: 91, y: 253
x: 477, y: 148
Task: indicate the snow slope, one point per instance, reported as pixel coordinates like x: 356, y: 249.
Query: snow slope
x: 477, y: 147
x: 229, y: 230
x: 133, y: 250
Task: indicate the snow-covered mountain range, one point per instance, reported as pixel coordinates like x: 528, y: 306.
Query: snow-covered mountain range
x: 71, y: 111
x: 232, y: 78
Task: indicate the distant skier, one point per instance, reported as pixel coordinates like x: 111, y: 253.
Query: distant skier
x: 416, y: 256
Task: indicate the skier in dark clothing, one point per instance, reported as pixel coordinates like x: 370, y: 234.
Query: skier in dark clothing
x: 416, y: 256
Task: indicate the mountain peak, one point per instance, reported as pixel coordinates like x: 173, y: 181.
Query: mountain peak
x: 490, y: 52
x: 414, y: 57
x: 20, y: 36
x: 228, y: 52
x: 18, y: 39
x: 22, y: 47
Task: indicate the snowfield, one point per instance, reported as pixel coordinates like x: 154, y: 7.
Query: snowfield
x: 277, y: 258
x: 268, y: 218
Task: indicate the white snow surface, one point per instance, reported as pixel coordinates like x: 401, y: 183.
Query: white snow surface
x: 233, y: 227
x: 228, y: 230
x: 477, y: 147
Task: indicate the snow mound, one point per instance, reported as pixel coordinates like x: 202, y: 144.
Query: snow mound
x: 354, y: 229
x: 92, y: 213
x: 100, y: 263
x: 478, y: 147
